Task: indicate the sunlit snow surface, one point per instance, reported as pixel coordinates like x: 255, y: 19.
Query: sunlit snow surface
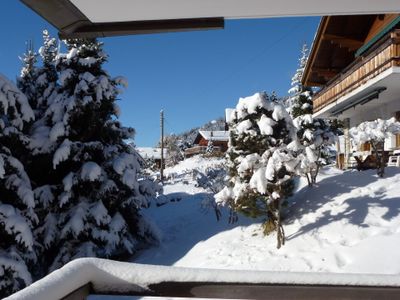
x: 348, y: 223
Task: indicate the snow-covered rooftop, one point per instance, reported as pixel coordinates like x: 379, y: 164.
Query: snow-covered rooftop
x: 219, y: 135
x: 149, y: 152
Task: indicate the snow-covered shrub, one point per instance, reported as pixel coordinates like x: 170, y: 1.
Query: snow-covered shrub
x: 375, y: 133
x: 212, y: 179
x: 261, y: 161
x: 316, y: 138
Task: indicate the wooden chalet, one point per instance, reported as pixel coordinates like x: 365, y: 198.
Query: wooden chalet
x: 218, y: 138
x: 355, y: 64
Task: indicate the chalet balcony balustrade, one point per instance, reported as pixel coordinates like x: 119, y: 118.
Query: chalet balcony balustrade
x: 200, y: 150
x: 382, y: 56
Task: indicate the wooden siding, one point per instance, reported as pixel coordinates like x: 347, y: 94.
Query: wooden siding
x: 380, y: 22
x: 383, y: 57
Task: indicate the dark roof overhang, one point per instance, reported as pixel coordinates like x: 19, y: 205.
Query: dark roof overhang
x: 72, y: 23
x: 101, y: 18
x: 337, y: 40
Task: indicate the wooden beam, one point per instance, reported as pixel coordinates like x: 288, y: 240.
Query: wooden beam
x: 306, y: 80
x: 328, y: 72
x: 92, y: 30
x: 343, y: 42
x: 315, y: 84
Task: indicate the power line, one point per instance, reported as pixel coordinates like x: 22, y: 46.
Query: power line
x: 253, y: 58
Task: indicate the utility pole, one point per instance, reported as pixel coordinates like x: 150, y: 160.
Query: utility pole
x: 162, y: 146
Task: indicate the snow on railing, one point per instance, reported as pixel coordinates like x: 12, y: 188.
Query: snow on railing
x: 106, y: 276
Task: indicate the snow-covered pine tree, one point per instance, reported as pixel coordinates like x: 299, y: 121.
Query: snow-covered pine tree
x: 38, y: 162
x: 261, y: 162
x: 47, y: 77
x: 299, y: 101
x: 375, y: 133
x: 28, y: 77
x: 315, y: 135
x: 17, y: 215
x: 90, y: 181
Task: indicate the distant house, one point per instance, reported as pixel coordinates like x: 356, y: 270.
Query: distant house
x: 218, y: 138
x: 355, y: 63
x: 149, y: 153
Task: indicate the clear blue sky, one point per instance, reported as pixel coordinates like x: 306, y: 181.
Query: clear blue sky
x: 193, y: 76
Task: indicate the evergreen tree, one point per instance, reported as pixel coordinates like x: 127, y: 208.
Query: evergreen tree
x: 39, y: 83
x: 299, y: 102
x: 46, y: 83
x: 70, y: 186
x: 261, y: 161
x: 17, y: 215
x: 28, y: 76
x: 315, y: 135
x: 90, y: 191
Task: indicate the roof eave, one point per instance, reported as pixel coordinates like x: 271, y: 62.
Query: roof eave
x: 314, y: 49
x: 72, y: 23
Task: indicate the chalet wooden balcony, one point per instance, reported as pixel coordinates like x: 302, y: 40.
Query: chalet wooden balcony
x: 200, y: 150
x: 382, y: 56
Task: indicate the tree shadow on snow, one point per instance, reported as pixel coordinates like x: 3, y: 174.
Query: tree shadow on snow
x: 354, y: 209
x: 184, y: 224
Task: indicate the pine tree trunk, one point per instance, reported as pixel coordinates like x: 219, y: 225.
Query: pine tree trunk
x: 280, y: 234
x: 273, y: 222
x: 308, y: 176
x: 315, y: 174
x: 380, y: 164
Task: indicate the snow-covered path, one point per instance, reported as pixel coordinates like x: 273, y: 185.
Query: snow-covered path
x: 184, y: 223
x: 350, y: 223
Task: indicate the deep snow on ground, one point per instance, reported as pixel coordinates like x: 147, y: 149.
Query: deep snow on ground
x: 348, y: 223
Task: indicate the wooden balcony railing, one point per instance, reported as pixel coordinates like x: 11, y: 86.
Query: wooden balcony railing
x: 384, y: 55
x: 200, y: 150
